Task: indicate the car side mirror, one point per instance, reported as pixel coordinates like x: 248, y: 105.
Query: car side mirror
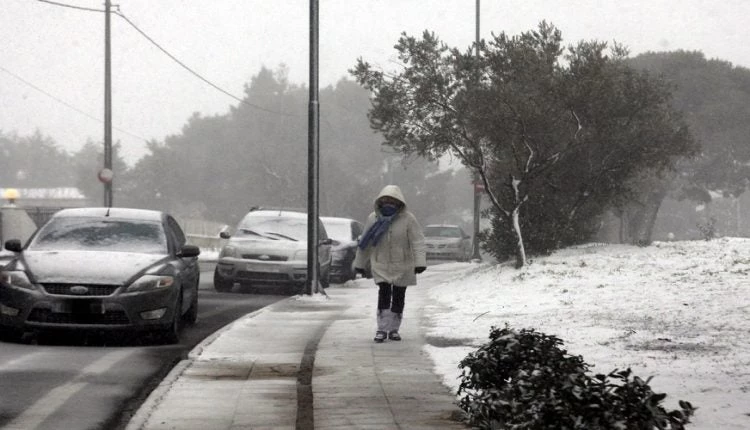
x: 189, y: 251
x: 224, y: 234
x: 13, y: 245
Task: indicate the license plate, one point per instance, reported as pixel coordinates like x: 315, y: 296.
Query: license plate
x: 79, y: 307
x: 253, y: 268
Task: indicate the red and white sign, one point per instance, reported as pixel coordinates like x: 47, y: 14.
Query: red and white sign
x: 105, y: 175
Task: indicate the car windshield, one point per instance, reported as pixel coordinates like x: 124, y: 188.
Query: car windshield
x: 440, y: 231
x: 275, y: 227
x: 101, y: 234
x: 339, y: 230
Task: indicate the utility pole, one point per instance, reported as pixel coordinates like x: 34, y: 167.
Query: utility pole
x: 313, y: 157
x: 105, y: 175
x: 476, y: 188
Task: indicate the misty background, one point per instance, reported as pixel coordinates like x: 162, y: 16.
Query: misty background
x: 219, y: 166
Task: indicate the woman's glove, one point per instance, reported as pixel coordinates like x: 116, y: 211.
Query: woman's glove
x: 419, y: 269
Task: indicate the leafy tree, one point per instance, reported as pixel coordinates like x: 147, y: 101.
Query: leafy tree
x: 714, y: 97
x: 554, y: 142
x: 33, y: 161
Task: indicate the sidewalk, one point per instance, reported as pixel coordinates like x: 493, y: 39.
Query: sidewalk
x: 307, y: 363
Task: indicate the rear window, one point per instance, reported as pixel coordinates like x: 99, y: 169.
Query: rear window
x: 105, y: 234
x: 339, y: 230
x: 439, y: 231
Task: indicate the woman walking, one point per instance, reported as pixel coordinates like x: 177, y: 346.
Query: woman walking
x: 393, y: 245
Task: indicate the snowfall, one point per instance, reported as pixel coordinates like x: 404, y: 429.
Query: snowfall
x: 674, y: 311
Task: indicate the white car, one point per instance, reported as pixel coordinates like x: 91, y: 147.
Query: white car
x: 345, y: 233
x: 269, y: 250
x: 447, y: 242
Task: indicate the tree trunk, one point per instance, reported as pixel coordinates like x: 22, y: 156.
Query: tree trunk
x: 640, y: 218
x: 520, y: 248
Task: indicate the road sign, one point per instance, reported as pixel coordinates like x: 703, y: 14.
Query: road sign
x: 105, y: 175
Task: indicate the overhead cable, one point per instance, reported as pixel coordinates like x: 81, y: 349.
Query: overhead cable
x: 167, y: 53
x: 193, y: 72
x: 68, y: 105
x: 72, y: 6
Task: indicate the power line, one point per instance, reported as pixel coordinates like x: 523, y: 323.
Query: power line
x: 193, y: 72
x: 72, y: 6
x: 167, y: 53
x: 68, y: 105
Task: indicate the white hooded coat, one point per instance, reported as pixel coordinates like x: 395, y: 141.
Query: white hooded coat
x: 399, y: 250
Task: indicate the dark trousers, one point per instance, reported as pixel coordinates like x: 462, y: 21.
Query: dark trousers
x: 391, y: 297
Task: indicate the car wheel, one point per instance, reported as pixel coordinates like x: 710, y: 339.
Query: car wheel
x: 171, y: 334
x: 191, y: 316
x: 325, y: 279
x: 221, y: 284
x: 9, y: 334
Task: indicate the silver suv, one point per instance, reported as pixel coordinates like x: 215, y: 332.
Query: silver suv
x: 269, y: 250
x: 447, y: 242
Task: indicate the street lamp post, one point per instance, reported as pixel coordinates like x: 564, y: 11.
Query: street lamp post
x: 476, y: 186
x: 107, y: 107
x: 313, y: 157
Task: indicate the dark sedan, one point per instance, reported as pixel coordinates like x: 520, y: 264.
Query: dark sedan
x: 102, y: 269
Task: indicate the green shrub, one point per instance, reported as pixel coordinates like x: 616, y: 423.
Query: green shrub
x: 525, y: 380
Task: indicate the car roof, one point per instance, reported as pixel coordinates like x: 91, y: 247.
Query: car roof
x: 335, y: 219
x: 129, y: 213
x: 443, y: 225
x: 268, y: 212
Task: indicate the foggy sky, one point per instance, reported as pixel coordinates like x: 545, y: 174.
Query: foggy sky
x: 59, y: 51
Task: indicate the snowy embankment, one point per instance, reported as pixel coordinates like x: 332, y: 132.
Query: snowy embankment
x: 675, y: 311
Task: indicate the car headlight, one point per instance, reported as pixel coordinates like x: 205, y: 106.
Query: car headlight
x: 151, y: 282
x: 16, y: 278
x: 300, y: 255
x: 228, y: 251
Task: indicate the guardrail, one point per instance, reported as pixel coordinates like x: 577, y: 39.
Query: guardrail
x: 206, y: 241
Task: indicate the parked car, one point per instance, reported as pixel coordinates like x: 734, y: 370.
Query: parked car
x: 447, y: 242
x: 102, y: 269
x: 345, y: 233
x: 269, y: 250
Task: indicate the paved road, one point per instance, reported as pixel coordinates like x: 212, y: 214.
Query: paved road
x: 97, y: 382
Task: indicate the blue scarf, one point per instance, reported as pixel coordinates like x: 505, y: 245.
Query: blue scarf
x: 375, y: 232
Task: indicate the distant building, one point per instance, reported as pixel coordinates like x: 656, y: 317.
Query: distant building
x: 64, y: 197
x: 38, y: 203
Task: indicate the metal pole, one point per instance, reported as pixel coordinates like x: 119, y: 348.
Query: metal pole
x: 477, y: 192
x: 313, y: 155
x: 107, y: 104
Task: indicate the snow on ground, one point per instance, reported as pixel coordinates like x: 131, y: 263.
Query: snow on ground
x: 677, y: 311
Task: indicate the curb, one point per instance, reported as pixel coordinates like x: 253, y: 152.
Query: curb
x: 152, y: 402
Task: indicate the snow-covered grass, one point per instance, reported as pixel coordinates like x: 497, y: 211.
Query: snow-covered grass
x: 677, y: 311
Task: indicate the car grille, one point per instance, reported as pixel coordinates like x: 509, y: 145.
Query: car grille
x: 109, y: 318
x: 265, y: 257
x: 93, y: 290
x: 429, y: 245
x: 270, y: 277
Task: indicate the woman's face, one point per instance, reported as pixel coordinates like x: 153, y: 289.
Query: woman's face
x: 388, y: 200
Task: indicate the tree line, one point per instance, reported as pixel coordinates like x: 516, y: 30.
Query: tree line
x: 220, y: 166
x: 559, y: 135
